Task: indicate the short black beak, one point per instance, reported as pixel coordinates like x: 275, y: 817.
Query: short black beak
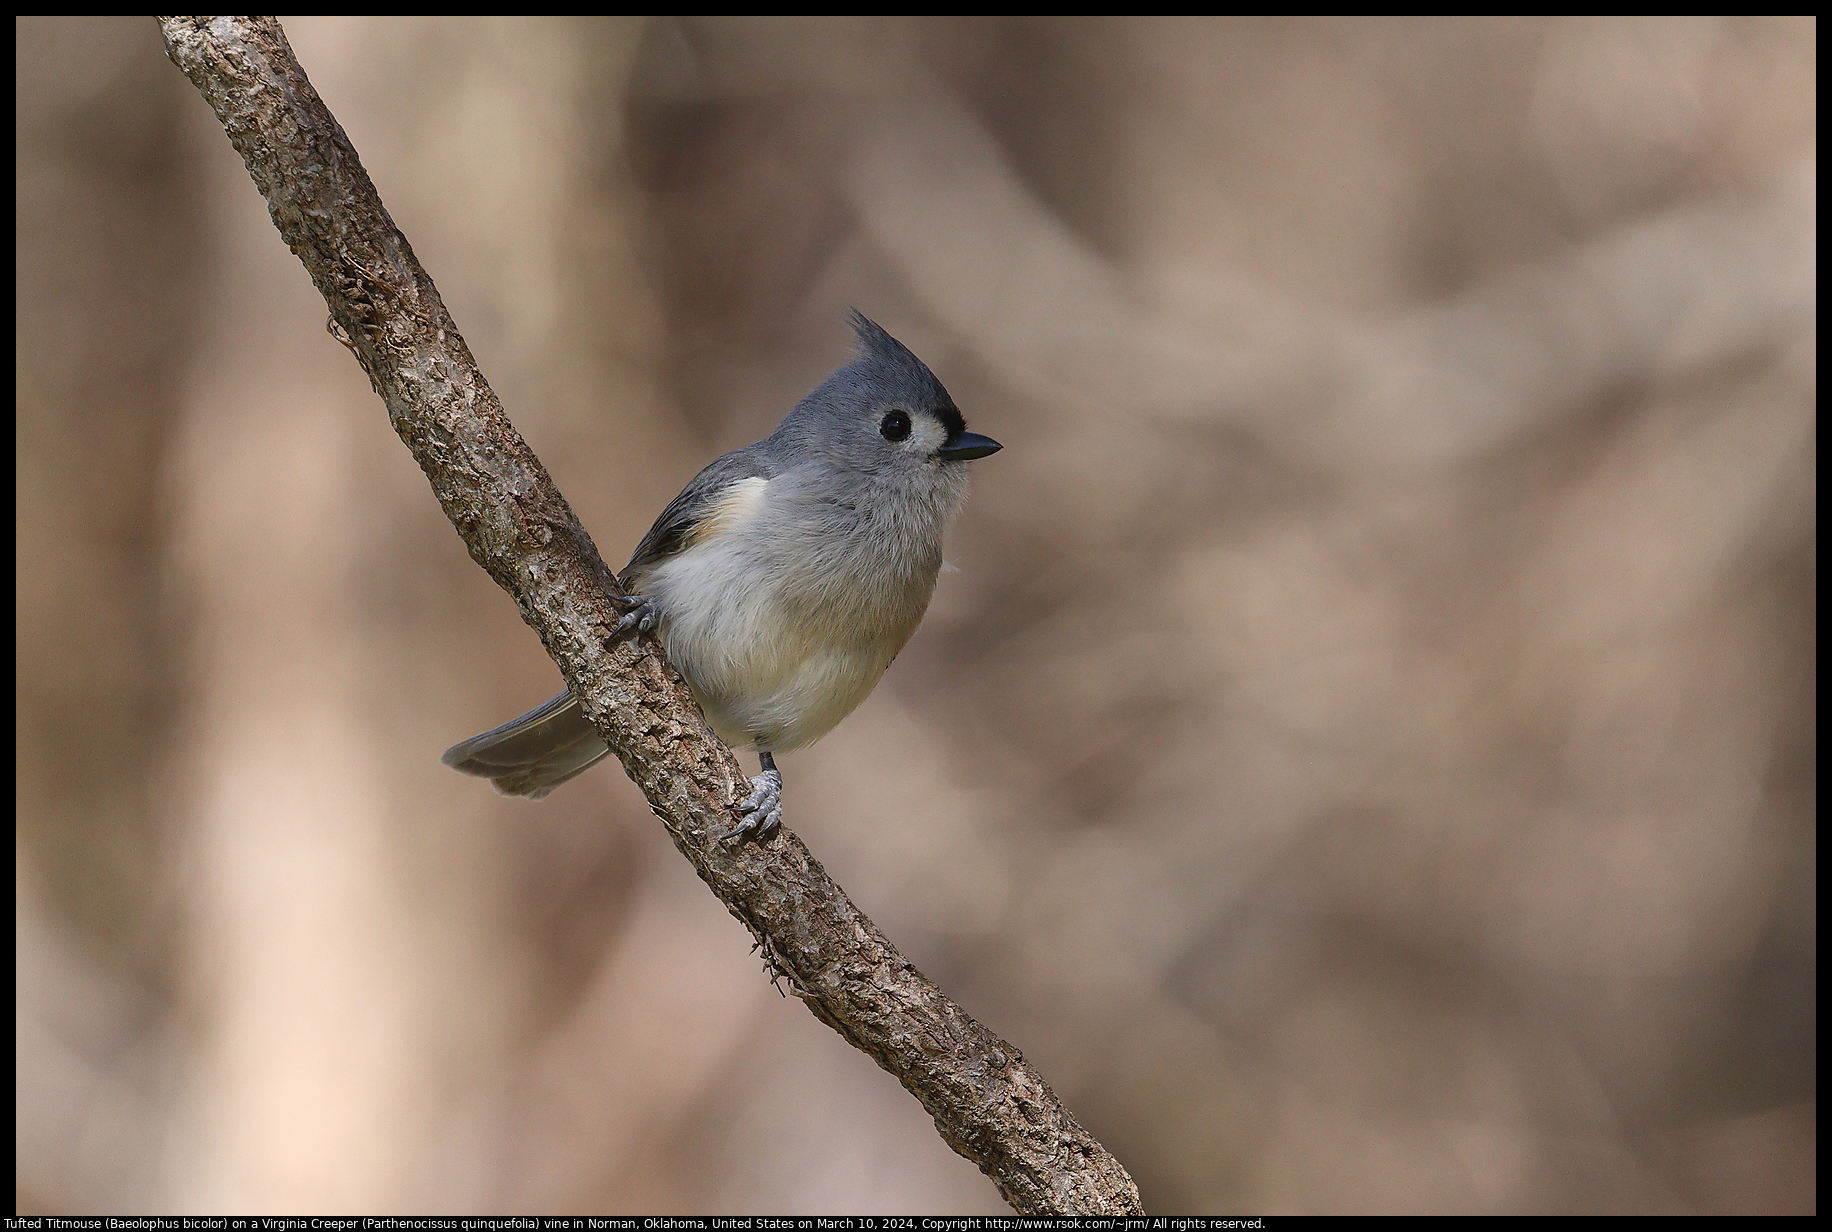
x: 968, y: 446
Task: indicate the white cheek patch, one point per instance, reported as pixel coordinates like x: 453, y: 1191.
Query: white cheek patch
x: 927, y: 435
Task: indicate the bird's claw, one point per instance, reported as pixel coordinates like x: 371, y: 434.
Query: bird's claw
x: 639, y: 614
x: 763, y: 810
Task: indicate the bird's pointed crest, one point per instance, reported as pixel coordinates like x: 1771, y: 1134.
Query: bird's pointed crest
x: 896, y: 367
x: 873, y: 340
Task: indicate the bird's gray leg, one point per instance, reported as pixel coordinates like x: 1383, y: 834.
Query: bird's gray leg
x: 639, y: 613
x: 763, y: 811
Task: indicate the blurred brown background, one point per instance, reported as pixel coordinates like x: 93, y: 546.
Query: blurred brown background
x: 1365, y: 757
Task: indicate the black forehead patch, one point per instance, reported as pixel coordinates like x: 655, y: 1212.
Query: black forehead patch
x: 951, y: 419
x: 894, y: 374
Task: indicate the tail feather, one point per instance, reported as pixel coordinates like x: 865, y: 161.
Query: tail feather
x: 531, y: 755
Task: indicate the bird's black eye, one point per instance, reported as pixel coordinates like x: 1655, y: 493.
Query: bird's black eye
x: 896, y: 426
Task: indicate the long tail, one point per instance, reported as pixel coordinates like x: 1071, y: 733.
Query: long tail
x: 534, y: 754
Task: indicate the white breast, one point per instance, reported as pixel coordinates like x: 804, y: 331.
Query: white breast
x: 781, y: 625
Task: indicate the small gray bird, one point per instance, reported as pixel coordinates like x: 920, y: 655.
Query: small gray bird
x: 784, y: 579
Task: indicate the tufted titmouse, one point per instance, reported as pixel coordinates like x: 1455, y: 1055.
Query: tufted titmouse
x: 784, y: 578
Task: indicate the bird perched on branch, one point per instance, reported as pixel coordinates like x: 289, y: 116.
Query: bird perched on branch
x: 784, y: 578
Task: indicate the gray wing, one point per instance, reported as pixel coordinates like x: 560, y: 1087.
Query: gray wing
x: 676, y: 523
x: 533, y: 754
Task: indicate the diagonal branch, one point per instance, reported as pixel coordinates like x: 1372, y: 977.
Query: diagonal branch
x: 988, y: 1103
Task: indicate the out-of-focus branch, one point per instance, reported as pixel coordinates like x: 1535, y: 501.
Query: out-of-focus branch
x: 988, y: 1103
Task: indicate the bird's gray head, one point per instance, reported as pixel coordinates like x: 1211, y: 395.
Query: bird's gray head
x: 885, y: 419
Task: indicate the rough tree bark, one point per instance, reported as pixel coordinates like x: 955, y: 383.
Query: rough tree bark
x: 988, y: 1103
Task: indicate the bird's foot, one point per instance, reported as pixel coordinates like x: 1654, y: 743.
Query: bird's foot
x: 639, y: 614
x: 762, y: 812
